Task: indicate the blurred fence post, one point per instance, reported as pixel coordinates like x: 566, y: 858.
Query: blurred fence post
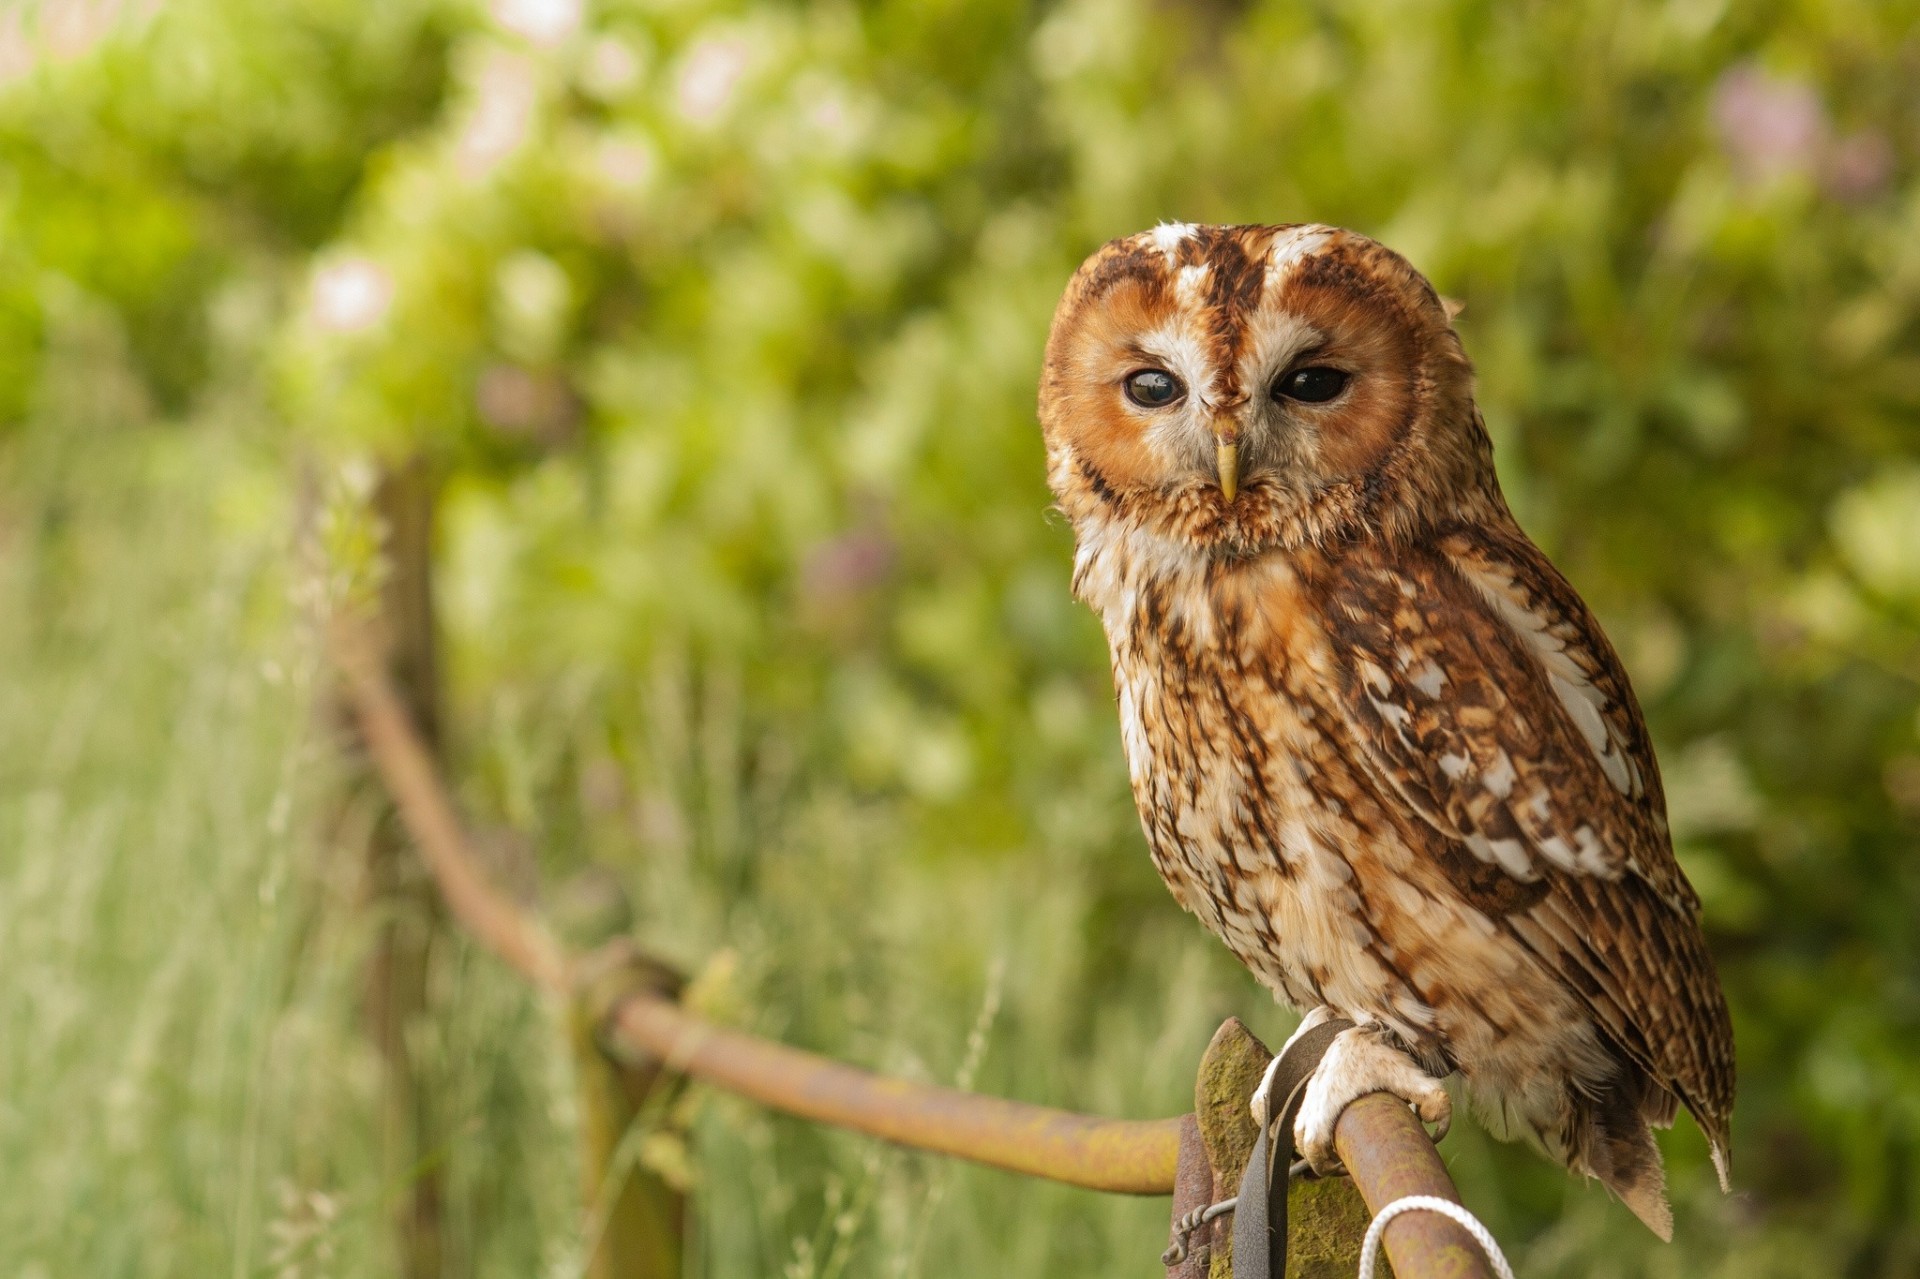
x: 395, y: 887
x: 636, y: 1219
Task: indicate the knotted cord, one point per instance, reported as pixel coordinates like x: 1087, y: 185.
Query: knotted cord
x: 1370, y: 1247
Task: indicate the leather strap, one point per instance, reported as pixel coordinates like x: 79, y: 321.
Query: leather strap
x: 1260, y: 1217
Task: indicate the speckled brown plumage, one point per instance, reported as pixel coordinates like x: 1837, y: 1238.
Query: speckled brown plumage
x: 1378, y: 743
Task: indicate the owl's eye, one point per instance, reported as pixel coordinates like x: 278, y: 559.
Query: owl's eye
x: 1315, y: 384
x: 1154, y: 388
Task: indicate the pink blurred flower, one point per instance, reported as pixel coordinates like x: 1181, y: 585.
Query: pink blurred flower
x: 1859, y: 165
x: 838, y: 581
x: 530, y: 405
x: 848, y: 565
x: 1770, y: 127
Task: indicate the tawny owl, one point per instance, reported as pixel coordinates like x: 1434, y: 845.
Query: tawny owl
x: 1379, y: 745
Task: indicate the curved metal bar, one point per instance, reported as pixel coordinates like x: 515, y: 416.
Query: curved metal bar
x: 427, y: 810
x: 1390, y: 1156
x: 1121, y: 1156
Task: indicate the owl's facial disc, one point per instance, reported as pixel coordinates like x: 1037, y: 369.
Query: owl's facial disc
x: 1250, y: 376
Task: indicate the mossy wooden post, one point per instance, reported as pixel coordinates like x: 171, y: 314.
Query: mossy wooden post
x: 636, y: 1220
x: 1326, y: 1219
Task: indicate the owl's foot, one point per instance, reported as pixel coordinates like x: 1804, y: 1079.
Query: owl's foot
x: 1359, y: 1061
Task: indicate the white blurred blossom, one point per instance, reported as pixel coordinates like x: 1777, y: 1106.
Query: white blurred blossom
x: 544, y: 22
x: 1877, y: 529
x: 17, y: 55
x: 612, y: 68
x: 533, y: 300
x: 63, y: 30
x: 709, y: 75
x: 350, y: 294
x: 1709, y: 789
x: 826, y: 107
x: 1083, y: 36
x: 626, y: 161
x: 70, y: 28
x: 500, y: 116
x: 831, y: 117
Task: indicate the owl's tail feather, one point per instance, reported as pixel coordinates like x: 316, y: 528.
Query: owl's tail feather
x: 1620, y: 1150
x: 1645, y: 1191
x: 1713, y: 1125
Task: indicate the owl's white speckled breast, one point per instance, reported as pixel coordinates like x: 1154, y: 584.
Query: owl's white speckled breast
x: 1248, y: 805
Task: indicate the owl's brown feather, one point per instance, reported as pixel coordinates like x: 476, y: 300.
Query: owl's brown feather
x: 1480, y: 690
x: 1379, y: 745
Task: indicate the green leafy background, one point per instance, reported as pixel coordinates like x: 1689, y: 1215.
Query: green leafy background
x: 719, y: 325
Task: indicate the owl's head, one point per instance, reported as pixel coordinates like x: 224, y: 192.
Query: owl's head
x: 1243, y: 387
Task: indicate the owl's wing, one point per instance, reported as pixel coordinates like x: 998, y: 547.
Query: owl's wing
x: 1480, y: 689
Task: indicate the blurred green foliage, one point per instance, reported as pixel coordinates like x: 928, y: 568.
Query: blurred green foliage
x: 720, y: 324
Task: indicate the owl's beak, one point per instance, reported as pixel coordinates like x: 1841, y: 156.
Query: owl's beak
x: 1226, y: 455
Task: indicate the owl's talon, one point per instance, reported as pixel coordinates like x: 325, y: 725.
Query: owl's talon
x: 1262, y: 1103
x: 1263, y: 1098
x: 1360, y: 1061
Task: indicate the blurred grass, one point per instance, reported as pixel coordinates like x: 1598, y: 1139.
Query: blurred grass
x: 720, y: 326
x: 186, y: 1087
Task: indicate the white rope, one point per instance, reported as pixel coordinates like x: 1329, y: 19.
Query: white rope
x: 1370, y: 1250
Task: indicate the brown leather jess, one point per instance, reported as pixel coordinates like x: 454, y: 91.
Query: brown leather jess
x: 1260, y: 1211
